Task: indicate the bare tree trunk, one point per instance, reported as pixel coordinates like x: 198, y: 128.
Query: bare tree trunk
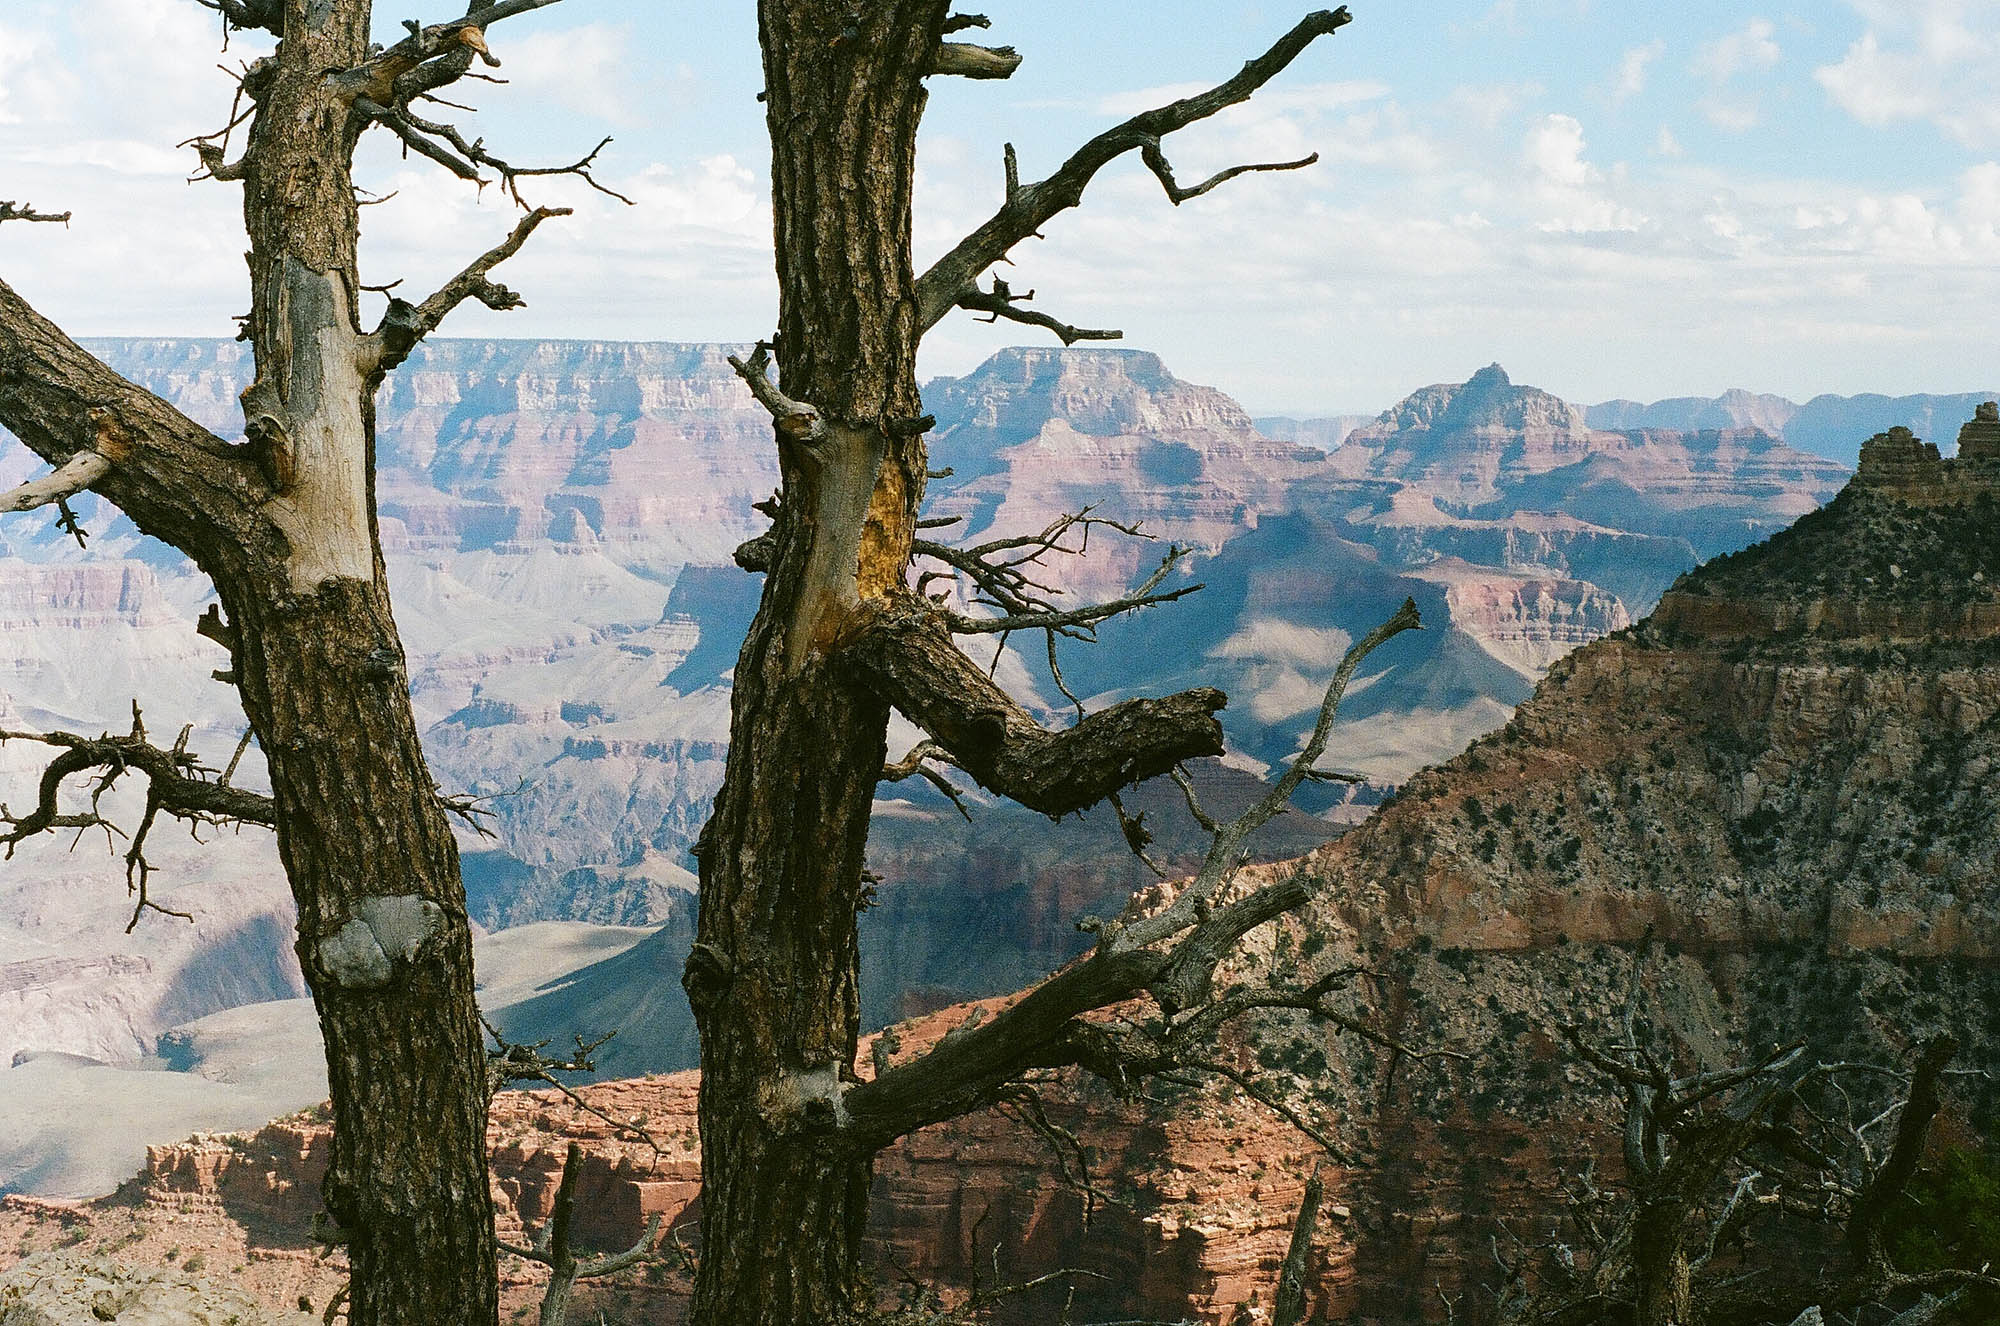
x: 838, y: 638
x: 384, y: 939
x: 774, y: 979
x: 385, y: 944
x: 286, y: 529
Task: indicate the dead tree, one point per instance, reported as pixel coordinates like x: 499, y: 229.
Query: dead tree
x: 1752, y: 1196
x: 788, y: 1132
x: 284, y: 525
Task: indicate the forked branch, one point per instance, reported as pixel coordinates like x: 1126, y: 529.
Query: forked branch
x: 177, y: 783
x: 1030, y: 207
x: 1170, y: 957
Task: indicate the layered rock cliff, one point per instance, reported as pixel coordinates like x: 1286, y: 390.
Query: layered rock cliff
x: 1773, y: 799
x: 559, y: 518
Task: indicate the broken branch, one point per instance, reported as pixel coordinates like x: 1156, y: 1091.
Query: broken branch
x: 405, y: 324
x: 70, y: 478
x: 27, y: 212
x: 963, y: 60
x: 796, y: 423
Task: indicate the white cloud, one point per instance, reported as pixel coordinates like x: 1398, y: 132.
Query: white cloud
x: 1554, y: 151
x: 585, y: 69
x: 1749, y: 48
x: 1633, y: 67
x: 1922, y: 60
x: 1569, y: 187
x: 1666, y: 145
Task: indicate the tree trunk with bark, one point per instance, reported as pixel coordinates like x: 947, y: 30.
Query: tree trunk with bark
x: 774, y: 980
x: 838, y: 639
x: 285, y: 526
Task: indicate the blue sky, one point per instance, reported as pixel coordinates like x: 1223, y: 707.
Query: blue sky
x: 1611, y: 199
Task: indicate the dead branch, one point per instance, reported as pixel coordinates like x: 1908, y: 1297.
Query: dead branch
x: 66, y: 481
x: 552, y: 1247
x: 467, y: 158
x: 177, y: 783
x: 1156, y: 161
x: 1290, y: 1308
x: 1001, y: 301
x: 904, y: 649
x: 1049, y: 1027
x: 26, y: 212
x: 405, y: 324
x: 796, y: 423
x: 1030, y: 207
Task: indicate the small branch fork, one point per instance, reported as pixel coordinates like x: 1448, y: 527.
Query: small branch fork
x: 1170, y: 956
x: 918, y: 764
x: 552, y: 1247
x: 952, y: 282
x: 1002, y: 303
x: 176, y: 783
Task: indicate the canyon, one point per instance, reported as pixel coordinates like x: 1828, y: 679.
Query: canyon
x: 559, y: 519
x: 1769, y: 803
x: 1761, y: 785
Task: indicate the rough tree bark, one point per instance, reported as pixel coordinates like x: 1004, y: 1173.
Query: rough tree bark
x: 788, y: 1135
x: 285, y: 526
